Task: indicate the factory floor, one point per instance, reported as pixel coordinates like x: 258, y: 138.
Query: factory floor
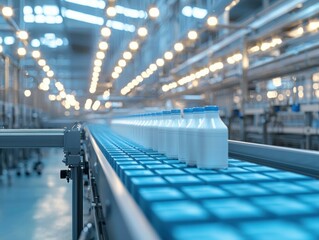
x: 37, y: 207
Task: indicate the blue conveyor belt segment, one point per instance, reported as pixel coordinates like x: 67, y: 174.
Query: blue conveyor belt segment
x: 245, y: 201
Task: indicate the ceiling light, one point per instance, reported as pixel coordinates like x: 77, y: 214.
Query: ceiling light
x: 115, y: 75
x: 154, y: 12
x: 106, y: 32
x: 100, y: 55
x: 127, y: 55
x: 103, y: 46
x: 97, y: 62
x: 111, y: 11
x: 192, y: 35
x: 27, y: 93
x: 178, y: 47
x: 212, y: 21
x: 122, y: 63
x: 254, y: 49
x: 35, y: 43
x: 142, y: 32
x: 160, y: 62
x: 82, y: 17
x: 133, y: 45
x: 23, y: 35
x: 21, y: 51
x: 139, y: 78
x: 276, y: 81
x: 46, y: 81
x: 36, y: 54
x: 95, y: 74
x: 92, y: 90
x: 7, y: 12
x: 149, y: 71
x: 97, y: 69
x: 144, y: 75
x: 118, y: 69
x: 52, y: 97
x: 168, y: 55
x: 46, y: 68
x: 153, y: 67
x: 50, y: 73
x: 41, y: 62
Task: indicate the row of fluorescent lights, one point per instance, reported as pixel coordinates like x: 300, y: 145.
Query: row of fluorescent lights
x: 179, y: 47
x: 133, y: 46
x: 70, y: 100
x: 99, y: 57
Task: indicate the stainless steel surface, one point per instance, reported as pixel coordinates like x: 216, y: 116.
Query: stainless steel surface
x: 302, y: 161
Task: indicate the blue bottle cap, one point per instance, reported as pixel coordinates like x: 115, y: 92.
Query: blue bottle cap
x: 198, y: 109
x: 188, y: 110
x: 176, y: 111
x: 166, y: 112
x: 159, y: 113
x: 212, y: 108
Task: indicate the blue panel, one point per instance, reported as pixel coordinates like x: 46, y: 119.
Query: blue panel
x: 281, y: 205
x: 204, y: 191
x: 232, y: 208
x: 217, y: 178
x: 245, y: 189
x: 286, y: 175
x: 205, y: 232
x: 275, y: 230
x: 170, y: 172
x: 186, y: 179
x: 179, y: 211
x: 284, y: 187
x: 251, y: 177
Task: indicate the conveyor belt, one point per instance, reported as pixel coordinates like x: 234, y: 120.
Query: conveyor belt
x: 245, y: 201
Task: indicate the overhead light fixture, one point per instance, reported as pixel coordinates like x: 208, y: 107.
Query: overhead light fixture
x: 82, y: 17
x: 36, y: 54
x: 313, y: 25
x: 95, y: 74
x: 118, y: 69
x: 21, y: 51
x: 7, y: 12
x: 103, y: 46
x: 160, y: 62
x: 153, y: 67
x: 106, y: 32
x: 97, y: 62
x: 168, y: 55
x: 192, y: 35
x: 178, y: 47
x: 22, y: 35
x: 212, y: 21
x: 133, y: 45
x: 154, y: 12
x: 100, y: 55
x: 96, y: 69
x: 122, y: 63
x: 50, y: 73
x: 111, y: 11
x: 115, y: 75
x: 127, y: 55
x: 46, y: 68
x: 46, y: 81
x: 27, y: 93
x: 142, y: 32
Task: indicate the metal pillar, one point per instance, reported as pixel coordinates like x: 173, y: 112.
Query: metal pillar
x: 77, y: 201
x: 244, y: 86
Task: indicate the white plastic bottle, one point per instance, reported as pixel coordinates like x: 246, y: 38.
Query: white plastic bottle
x: 193, y: 146
x: 182, y: 143
x: 172, y: 134
x: 156, y: 130
x: 213, y: 136
x: 161, y: 131
x: 166, y: 129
